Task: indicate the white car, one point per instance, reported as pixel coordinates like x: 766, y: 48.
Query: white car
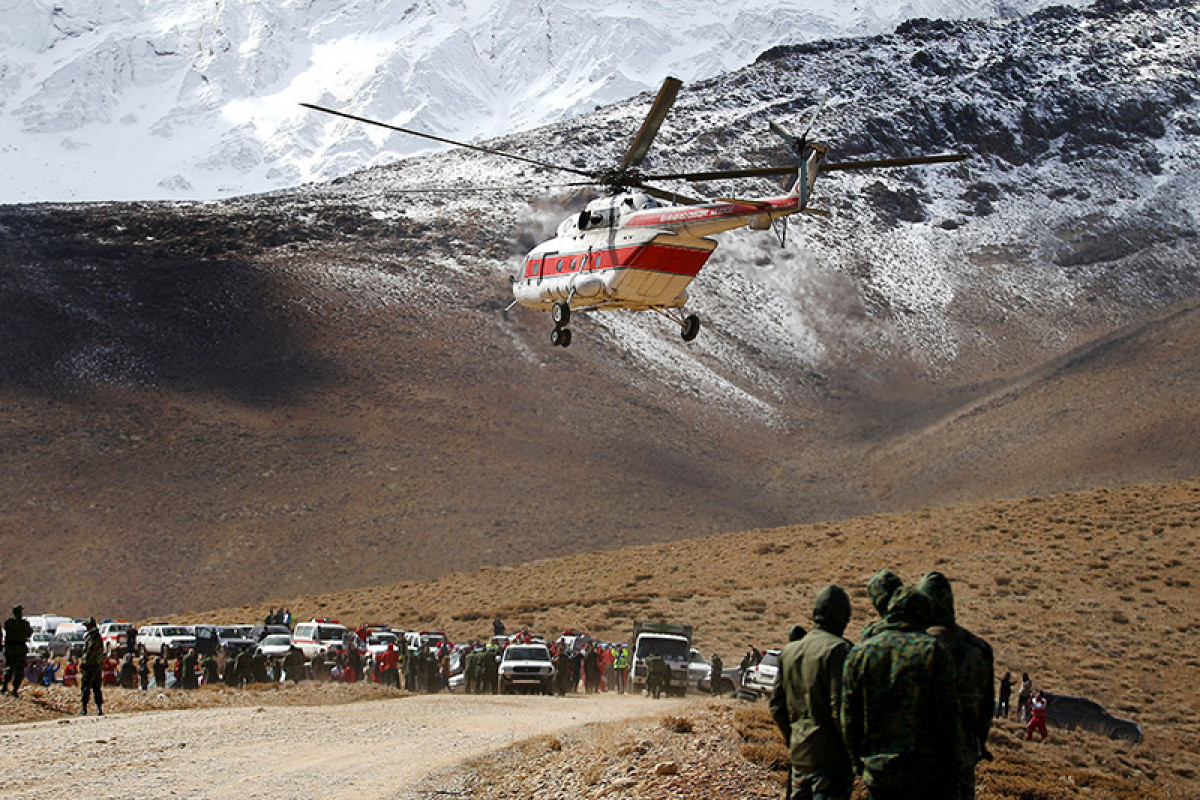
x: 763, y: 675
x: 170, y: 640
x: 276, y: 645
x: 526, y: 667
x: 377, y: 642
x: 39, y: 643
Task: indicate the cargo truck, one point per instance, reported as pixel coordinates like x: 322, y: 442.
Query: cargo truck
x: 670, y: 640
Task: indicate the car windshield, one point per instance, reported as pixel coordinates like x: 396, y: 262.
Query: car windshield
x: 382, y: 638
x: 175, y: 632
x: 277, y: 639
x: 326, y: 634
x: 770, y: 660
x: 229, y: 633
x: 527, y: 654
x: 676, y: 649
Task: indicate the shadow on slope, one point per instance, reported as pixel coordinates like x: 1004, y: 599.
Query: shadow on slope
x: 136, y: 297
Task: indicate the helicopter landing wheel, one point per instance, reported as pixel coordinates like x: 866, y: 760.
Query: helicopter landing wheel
x: 560, y: 312
x: 691, y: 327
x: 560, y: 337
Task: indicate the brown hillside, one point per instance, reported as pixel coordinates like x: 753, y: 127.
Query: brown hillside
x: 216, y: 404
x: 1091, y: 593
x: 1104, y: 413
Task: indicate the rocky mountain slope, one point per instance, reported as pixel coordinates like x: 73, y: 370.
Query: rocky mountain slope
x: 173, y: 99
x: 210, y: 403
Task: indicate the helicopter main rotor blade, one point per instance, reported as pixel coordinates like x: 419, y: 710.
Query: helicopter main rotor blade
x: 444, y: 140
x: 654, y: 120
x: 882, y: 163
x: 713, y: 175
x: 670, y: 197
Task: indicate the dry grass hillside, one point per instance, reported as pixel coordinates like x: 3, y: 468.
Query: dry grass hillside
x: 1091, y: 593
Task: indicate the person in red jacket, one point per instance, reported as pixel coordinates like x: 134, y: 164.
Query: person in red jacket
x: 389, y: 665
x: 1037, y: 719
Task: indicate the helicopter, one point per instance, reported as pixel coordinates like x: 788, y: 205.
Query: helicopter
x: 639, y: 246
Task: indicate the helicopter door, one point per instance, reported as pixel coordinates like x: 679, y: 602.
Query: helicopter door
x: 542, y: 266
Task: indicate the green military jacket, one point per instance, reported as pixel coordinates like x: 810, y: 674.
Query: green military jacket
x: 807, y: 697
x: 900, y: 712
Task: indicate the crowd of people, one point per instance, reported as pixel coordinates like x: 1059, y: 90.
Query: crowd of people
x: 906, y: 709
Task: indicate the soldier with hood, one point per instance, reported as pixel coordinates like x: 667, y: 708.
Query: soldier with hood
x: 880, y: 588
x: 807, y: 699
x: 899, y: 707
x: 973, y: 665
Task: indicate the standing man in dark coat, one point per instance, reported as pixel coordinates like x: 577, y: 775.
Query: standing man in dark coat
x: 716, y: 667
x: 807, y: 700
x: 17, y: 631
x: 90, y: 682
x: 899, y: 710
x: 974, y: 668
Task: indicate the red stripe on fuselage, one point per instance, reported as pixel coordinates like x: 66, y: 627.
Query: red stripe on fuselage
x: 682, y: 215
x: 650, y: 257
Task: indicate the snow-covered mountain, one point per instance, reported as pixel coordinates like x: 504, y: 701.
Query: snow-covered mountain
x: 175, y: 99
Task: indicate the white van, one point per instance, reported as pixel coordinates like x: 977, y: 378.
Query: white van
x: 316, y: 635
x: 47, y: 623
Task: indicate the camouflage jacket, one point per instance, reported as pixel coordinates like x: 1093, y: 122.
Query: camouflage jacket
x: 899, y: 711
x: 807, y: 697
x: 93, y: 649
x: 973, y: 666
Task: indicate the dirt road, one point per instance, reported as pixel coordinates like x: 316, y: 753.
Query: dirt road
x: 373, y: 749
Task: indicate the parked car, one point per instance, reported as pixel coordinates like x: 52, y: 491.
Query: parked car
x: 233, y: 639
x: 418, y: 639
x: 114, y: 635
x: 67, y: 643
x: 526, y: 666
x: 260, y: 632
x: 277, y: 645
x: 170, y: 640
x: 700, y: 670
x: 1071, y: 712
x: 39, y: 643
x: 763, y: 675
x: 378, y: 642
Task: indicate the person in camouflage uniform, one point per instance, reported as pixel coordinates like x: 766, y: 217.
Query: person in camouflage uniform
x: 974, y: 667
x: 880, y: 588
x: 187, y: 669
x: 211, y: 670
x: 807, y: 700
x: 899, y: 709
x: 259, y: 662
x: 658, y: 676
x: 90, y: 675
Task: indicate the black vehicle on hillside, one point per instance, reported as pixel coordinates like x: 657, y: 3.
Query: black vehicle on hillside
x: 1071, y: 712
